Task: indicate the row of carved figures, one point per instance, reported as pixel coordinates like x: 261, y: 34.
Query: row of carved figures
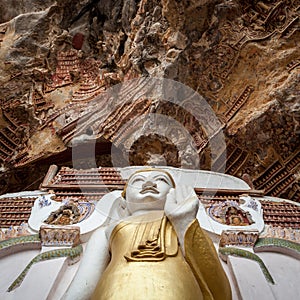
x: 10, y: 137
x: 274, y: 177
x: 15, y: 210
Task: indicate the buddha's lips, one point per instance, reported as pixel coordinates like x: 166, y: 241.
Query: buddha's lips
x: 149, y: 189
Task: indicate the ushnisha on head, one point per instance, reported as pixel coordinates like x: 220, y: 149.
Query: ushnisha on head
x: 147, y: 189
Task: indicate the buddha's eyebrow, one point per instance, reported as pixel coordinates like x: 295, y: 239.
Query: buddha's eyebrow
x: 138, y: 176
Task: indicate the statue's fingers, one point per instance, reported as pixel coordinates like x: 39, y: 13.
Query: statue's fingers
x: 171, y: 197
x: 184, y: 193
x: 178, y: 195
x: 181, y: 194
x: 190, y: 192
x: 191, y: 203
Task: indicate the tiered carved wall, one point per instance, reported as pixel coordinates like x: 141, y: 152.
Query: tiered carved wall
x: 81, y: 185
x: 241, y: 56
x: 11, y: 136
x: 15, y: 210
x: 281, y: 214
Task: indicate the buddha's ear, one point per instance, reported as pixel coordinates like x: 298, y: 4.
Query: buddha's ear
x: 122, y: 202
x: 122, y: 207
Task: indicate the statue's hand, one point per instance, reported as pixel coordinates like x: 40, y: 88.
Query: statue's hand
x: 181, y: 209
x: 182, y: 202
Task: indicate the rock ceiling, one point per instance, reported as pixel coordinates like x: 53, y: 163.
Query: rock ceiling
x: 58, y: 59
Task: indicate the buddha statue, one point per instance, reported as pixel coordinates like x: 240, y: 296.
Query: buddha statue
x: 152, y: 248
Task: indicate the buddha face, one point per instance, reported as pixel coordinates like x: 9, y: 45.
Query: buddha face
x: 147, y: 191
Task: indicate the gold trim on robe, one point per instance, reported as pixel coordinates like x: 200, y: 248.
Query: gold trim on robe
x: 147, y: 263
x: 153, y: 241
x: 201, y: 255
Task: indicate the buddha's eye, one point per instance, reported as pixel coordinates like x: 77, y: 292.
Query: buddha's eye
x: 137, y: 180
x: 162, y: 179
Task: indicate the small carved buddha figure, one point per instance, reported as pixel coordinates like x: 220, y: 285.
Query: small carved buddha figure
x: 232, y: 217
x: 65, y: 215
x: 238, y: 217
x: 157, y: 251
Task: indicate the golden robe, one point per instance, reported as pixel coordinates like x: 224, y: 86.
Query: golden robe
x: 147, y: 263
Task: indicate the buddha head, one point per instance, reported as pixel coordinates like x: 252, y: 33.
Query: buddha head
x: 147, y: 190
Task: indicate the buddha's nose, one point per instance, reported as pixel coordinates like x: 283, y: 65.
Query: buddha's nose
x: 149, y: 183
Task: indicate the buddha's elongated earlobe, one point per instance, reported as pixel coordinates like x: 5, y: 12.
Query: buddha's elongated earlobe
x: 123, y: 203
x: 122, y: 208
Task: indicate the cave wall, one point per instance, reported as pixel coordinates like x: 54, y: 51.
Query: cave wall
x: 243, y: 58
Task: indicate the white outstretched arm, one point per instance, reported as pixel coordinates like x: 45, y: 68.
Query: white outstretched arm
x: 181, y: 209
x: 94, y: 261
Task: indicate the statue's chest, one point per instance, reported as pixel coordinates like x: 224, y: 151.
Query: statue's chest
x: 141, y: 240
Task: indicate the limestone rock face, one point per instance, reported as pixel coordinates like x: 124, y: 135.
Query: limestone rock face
x: 58, y: 59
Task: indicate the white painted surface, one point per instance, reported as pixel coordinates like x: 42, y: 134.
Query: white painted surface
x: 24, y: 194
x: 44, y: 278
x: 285, y: 271
x: 250, y: 281
x: 10, y: 268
